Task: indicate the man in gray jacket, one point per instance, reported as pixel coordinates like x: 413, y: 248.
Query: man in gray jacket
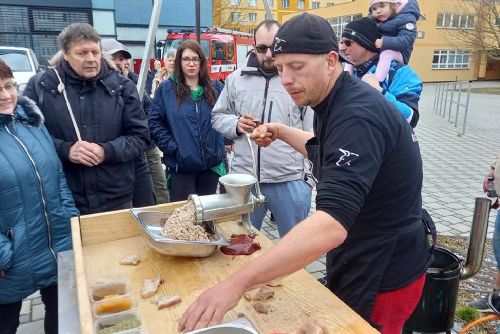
x: 254, y: 95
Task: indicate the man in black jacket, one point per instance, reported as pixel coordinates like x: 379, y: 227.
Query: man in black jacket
x: 368, y: 205
x: 100, y: 129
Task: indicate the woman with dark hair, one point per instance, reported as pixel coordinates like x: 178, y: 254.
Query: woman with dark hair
x: 35, y: 208
x: 180, y: 124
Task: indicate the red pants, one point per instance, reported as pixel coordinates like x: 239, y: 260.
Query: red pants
x: 393, y: 308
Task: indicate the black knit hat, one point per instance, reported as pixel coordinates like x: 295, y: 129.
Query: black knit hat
x: 363, y: 31
x: 305, y: 33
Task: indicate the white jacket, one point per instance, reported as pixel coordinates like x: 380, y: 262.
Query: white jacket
x: 247, y: 90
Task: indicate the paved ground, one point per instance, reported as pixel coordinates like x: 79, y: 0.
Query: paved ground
x: 454, y: 166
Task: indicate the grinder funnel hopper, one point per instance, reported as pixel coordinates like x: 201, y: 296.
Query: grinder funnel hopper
x: 238, y: 186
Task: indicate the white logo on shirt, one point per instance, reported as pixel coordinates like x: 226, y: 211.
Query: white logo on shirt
x: 346, y: 158
x: 410, y: 26
x: 278, y: 41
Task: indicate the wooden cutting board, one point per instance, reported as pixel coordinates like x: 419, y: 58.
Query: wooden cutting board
x: 101, y: 240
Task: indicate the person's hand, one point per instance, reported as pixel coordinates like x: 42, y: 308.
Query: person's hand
x: 372, y: 80
x: 85, y: 153
x: 379, y: 42
x: 246, y: 123
x: 264, y: 135
x: 229, y: 148
x: 209, y: 308
x: 491, y: 173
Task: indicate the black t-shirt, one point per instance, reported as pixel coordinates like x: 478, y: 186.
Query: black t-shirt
x: 368, y: 163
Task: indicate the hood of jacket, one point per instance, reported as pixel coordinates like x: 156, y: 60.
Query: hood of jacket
x: 26, y: 111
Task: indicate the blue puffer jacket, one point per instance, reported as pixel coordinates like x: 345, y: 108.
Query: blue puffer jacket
x: 35, y: 204
x: 400, y: 31
x: 184, y: 133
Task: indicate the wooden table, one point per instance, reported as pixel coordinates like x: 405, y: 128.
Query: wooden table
x: 101, y: 240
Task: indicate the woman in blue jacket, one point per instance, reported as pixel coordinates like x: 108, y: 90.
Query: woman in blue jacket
x: 35, y: 208
x: 180, y: 124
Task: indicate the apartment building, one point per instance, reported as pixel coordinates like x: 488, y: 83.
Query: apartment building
x: 451, y: 37
x: 244, y: 15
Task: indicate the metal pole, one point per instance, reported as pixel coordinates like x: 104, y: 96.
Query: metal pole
x: 466, y: 108
x: 269, y: 14
x: 451, y: 101
x: 442, y: 98
x: 153, y: 25
x: 197, y: 5
x: 436, y: 96
x: 458, y: 103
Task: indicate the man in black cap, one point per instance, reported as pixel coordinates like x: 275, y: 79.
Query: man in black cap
x: 402, y: 86
x: 368, y: 206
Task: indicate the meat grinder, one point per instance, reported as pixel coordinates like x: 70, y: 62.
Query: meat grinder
x: 238, y: 200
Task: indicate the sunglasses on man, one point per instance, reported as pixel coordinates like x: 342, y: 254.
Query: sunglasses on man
x: 347, y: 42
x: 261, y: 48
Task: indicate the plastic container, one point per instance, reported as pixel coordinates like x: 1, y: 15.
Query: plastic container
x: 113, y: 320
x: 112, y: 285
x: 112, y: 305
x: 435, y: 311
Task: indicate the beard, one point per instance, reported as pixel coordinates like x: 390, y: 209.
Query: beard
x: 268, y: 65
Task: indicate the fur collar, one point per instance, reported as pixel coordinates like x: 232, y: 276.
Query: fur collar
x: 26, y: 112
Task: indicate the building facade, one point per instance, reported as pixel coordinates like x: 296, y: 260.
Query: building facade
x: 439, y: 53
x: 244, y: 15
x: 35, y: 24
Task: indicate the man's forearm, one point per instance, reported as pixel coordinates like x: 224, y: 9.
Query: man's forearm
x: 294, y: 137
x: 305, y: 243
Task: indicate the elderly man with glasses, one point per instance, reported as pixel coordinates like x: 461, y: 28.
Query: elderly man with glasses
x: 254, y: 95
x: 402, y: 86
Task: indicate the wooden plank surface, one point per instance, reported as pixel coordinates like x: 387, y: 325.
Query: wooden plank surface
x: 299, y: 297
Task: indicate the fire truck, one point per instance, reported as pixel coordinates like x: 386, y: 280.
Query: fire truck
x: 226, y: 50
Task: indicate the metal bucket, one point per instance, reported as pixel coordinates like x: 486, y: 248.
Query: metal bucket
x: 435, y: 311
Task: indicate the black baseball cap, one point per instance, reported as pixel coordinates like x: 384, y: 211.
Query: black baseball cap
x: 306, y: 33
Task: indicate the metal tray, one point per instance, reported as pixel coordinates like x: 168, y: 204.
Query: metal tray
x: 149, y: 223
x: 238, y: 326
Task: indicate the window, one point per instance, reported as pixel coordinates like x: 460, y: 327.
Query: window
x: 230, y: 51
x: 235, y: 16
x: 252, y: 3
x: 456, y: 21
x: 235, y: 2
x: 315, y: 4
x: 338, y: 23
x: 450, y: 59
x: 285, y: 3
x: 300, y: 4
x: 252, y: 17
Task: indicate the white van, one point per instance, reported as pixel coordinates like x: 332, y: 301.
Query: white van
x: 22, y: 62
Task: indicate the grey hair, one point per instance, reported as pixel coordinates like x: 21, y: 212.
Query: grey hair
x: 170, y: 54
x: 76, y: 32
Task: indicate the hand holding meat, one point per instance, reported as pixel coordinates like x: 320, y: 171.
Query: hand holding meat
x: 210, y: 307
x: 85, y: 153
x: 264, y: 135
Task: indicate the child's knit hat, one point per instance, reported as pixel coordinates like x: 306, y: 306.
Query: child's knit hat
x: 373, y: 2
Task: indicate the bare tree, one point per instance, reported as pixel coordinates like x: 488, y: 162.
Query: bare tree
x: 473, y: 24
x: 230, y: 14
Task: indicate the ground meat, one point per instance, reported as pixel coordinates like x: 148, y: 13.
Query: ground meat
x: 181, y: 225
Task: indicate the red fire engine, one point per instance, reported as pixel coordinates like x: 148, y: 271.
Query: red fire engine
x: 226, y: 50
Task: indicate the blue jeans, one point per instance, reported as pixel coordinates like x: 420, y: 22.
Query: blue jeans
x: 289, y: 202
x: 496, y: 240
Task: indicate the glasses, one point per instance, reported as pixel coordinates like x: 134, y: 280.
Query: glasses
x: 9, y: 88
x: 261, y: 48
x: 347, y: 42
x: 187, y: 60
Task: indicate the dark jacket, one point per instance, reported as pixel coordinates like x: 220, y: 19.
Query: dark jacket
x: 400, y: 31
x: 35, y: 204
x: 367, y: 160
x: 184, y: 133
x: 108, y: 112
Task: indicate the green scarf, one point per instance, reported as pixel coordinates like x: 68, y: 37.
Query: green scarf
x: 197, y: 94
x: 220, y: 169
